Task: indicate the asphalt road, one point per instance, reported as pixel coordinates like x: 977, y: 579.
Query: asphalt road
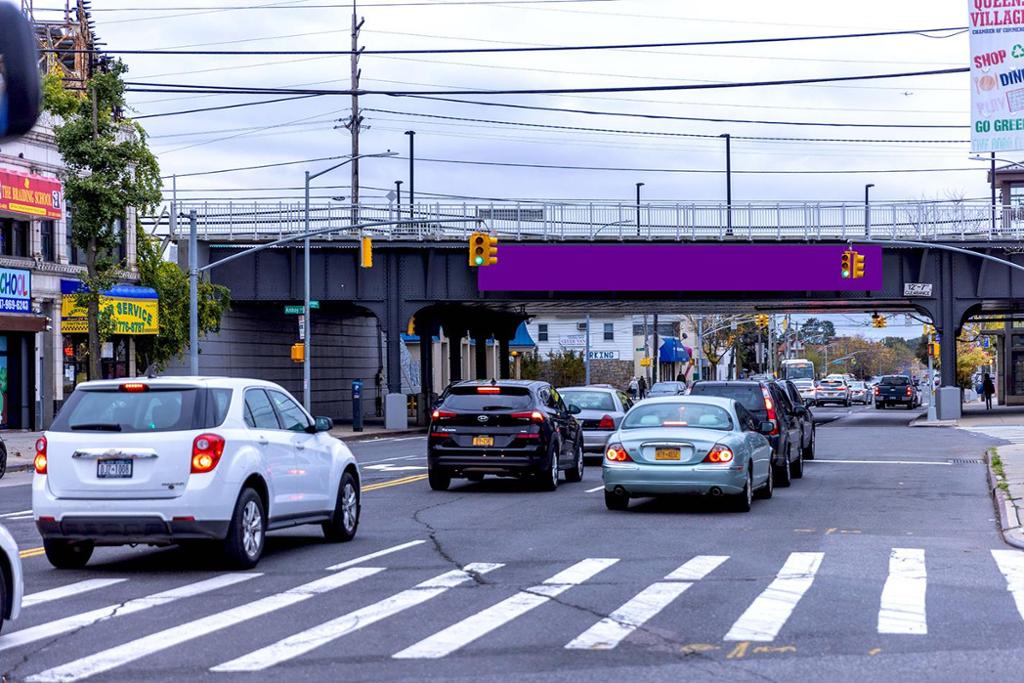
x: 878, y: 564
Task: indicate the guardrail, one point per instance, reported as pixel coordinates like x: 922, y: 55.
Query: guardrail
x: 947, y: 221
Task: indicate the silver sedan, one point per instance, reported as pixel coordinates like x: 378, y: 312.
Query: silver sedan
x: 601, y: 412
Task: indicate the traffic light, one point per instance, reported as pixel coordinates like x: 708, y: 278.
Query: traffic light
x: 847, y: 266
x: 761, y: 321
x: 878, y: 320
x: 365, y: 252
x: 858, y: 267
x: 934, y: 349
x: 483, y: 250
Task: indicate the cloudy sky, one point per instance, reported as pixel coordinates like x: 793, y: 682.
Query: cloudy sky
x: 307, y: 128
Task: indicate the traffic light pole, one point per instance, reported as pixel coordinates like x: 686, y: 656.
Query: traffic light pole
x: 932, y: 414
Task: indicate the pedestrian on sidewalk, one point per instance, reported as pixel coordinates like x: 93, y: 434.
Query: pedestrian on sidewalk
x: 642, y: 385
x: 988, y: 389
x: 634, y: 388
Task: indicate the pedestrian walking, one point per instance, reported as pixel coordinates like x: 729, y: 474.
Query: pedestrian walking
x: 634, y: 388
x: 988, y: 389
x: 642, y: 386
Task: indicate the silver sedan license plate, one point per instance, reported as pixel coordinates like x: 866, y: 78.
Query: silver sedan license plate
x: 114, y: 469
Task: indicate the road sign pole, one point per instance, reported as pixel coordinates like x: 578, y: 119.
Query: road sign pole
x: 305, y: 306
x: 586, y: 358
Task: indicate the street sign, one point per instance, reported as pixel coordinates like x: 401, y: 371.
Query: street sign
x: 917, y: 289
x: 985, y: 342
x: 298, y: 310
x: 604, y: 355
x: 302, y: 328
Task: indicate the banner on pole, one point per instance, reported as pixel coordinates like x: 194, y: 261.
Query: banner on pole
x: 997, y: 75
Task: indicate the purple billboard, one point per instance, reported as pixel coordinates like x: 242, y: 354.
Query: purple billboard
x: 678, y: 267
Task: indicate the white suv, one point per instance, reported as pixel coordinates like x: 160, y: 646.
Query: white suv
x: 12, y: 586
x: 158, y: 461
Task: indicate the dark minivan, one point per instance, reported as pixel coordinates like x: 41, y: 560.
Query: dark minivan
x: 508, y: 428
x: 767, y: 402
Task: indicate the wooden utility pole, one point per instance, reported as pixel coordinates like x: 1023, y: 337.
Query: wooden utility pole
x: 355, y: 121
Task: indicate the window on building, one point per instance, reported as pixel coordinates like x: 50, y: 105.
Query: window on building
x: 46, y: 244
x: 609, y: 332
x: 542, y: 332
x: 122, y: 245
x: 15, y: 237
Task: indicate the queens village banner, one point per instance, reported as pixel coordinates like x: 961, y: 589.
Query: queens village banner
x: 997, y: 75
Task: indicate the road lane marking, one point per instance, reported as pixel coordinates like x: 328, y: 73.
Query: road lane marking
x: 300, y: 643
x: 395, y: 482
x: 1011, y: 564
x: 480, y: 624
x: 55, y: 628
x: 362, y: 462
x: 596, y: 488
x: 394, y: 468
x: 769, y: 612
x: 118, y: 656
x: 31, y: 552
x: 883, y: 462
x: 373, y: 556
x: 645, y: 605
x: 20, y: 513
x: 65, y: 591
x: 903, y: 596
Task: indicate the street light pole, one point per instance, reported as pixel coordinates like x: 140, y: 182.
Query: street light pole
x: 412, y: 171
x: 728, y: 181
x: 867, y: 210
x: 398, y: 198
x: 586, y: 359
x: 638, y: 186
x: 993, y: 172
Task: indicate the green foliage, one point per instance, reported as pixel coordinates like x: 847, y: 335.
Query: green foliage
x: 531, y: 366
x: 560, y: 369
x: 171, y: 284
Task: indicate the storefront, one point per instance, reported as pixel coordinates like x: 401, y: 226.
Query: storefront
x: 18, y: 329
x: 134, y: 311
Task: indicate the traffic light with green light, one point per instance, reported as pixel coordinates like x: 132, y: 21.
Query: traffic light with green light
x: 483, y: 250
x: 846, y: 269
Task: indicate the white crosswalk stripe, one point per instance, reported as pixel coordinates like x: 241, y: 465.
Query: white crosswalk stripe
x: 128, y: 652
x: 902, y: 608
x: 315, y: 637
x: 769, y: 612
x: 1011, y: 433
x: 77, y: 621
x: 20, y: 513
x: 612, y: 630
x: 69, y: 590
x: 480, y: 624
x: 1011, y: 564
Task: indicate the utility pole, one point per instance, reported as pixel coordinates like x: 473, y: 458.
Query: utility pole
x: 412, y: 171
x: 355, y: 121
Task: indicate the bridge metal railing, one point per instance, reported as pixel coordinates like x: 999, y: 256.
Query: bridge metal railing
x: 247, y: 221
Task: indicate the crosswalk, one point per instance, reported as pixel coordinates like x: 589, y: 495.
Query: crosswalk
x: 900, y: 597
x: 1011, y: 433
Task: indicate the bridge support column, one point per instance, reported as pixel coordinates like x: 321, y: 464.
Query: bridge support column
x: 948, y: 399
x: 426, y: 328
x: 480, y: 351
x: 455, y: 337
x: 503, y: 358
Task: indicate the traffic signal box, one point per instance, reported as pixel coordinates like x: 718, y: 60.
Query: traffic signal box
x: 483, y: 250
x: 878, y: 320
x: 365, y: 252
x: 852, y: 265
x: 858, y: 267
x: 761, y: 321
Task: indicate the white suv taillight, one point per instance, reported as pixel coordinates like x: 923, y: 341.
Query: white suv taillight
x: 40, y: 460
x: 206, y: 452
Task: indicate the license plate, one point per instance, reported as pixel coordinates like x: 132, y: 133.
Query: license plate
x: 483, y: 440
x: 666, y: 454
x: 114, y: 469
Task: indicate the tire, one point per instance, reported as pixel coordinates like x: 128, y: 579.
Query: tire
x: 614, y: 501
x: 347, y: 506
x: 247, y: 531
x: 3, y: 466
x: 768, y: 490
x: 742, y: 502
x: 547, y: 479
x: 67, y: 554
x: 782, y: 476
x: 879, y: 406
x: 809, y: 451
x: 438, y: 479
x: 575, y: 473
x: 796, y: 467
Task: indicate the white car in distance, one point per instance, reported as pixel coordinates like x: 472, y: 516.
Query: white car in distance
x: 187, y: 459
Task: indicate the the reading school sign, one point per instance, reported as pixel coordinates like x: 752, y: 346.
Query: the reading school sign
x: 997, y: 75
x: 134, y: 310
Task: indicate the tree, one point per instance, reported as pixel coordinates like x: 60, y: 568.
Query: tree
x: 815, y: 331
x: 109, y: 169
x: 171, y: 285
x: 719, y: 334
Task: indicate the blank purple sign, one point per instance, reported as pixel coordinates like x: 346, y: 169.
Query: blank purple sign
x: 677, y: 268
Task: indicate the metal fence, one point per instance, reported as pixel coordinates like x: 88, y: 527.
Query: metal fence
x: 685, y: 221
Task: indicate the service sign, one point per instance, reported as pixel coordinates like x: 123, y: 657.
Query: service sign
x: 15, y: 291
x: 997, y: 75
x: 30, y: 195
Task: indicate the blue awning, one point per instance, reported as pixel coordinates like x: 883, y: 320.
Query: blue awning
x: 522, y: 338
x: 673, y: 351
x: 121, y: 291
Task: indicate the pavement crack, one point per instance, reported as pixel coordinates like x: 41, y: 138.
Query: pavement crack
x: 442, y: 552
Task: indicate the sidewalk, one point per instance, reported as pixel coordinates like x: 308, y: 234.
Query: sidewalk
x: 1006, y: 479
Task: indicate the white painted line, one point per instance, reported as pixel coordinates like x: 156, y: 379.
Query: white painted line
x: 769, y: 612
x: 20, y: 513
x: 596, y: 488
x: 1011, y: 564
x: 300, y: 643
x: 612, y: 630
x: 418, y: 456
x: 480, y: 624
x: 55, y: 628
x: 120, y: 655
x: 68, y: 590
x: 903, y: 597
x: 882, y: 462
x: 394, y: 468
x: 373, y: 556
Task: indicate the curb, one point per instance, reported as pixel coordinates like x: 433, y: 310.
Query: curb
x: 19, y: 466
x: 375, y: 436
x: 1011, y: 532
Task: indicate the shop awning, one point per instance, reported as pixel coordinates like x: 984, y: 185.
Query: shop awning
x: 135, y: 310
x: 522, y: 340
x: 673, y: 351
x: 22, y: 323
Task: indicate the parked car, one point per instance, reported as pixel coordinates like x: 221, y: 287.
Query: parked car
x: 510, y: 428
x: 860, y: 393
x: 158, y: 461
x: 601, y: 412
x: 12, y: 585
x: 802, y: 412
x: 667, y: 389
x: 833, y: 390
x: 689, y: 445
x: 764, y: 401
x: 895, y: 390
x: 3, y: 458
x: 808, y: 390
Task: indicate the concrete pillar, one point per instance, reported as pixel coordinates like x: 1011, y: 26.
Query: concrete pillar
x: 504, y: 361
x: 455, y: 337
x: 947, y: 323
x: 480, y: 351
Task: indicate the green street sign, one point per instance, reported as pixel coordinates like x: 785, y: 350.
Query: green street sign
x: 298, y: 310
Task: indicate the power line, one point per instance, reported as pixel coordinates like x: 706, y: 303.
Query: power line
x: 225, y: 106
x: 253, y: 168
x: 951, y: 31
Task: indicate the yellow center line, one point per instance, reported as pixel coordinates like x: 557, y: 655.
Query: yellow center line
x: 36, y: 552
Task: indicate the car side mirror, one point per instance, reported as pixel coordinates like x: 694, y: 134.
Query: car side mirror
x: 322, y: 424
x: 574, y: 409
x: 767, y: 427
x: 20, y: 89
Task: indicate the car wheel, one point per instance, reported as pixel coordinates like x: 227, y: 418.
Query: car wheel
x: 768, y: 490
x: 616, y: 501
x: 575, y: 473
x: 548, y: 477
x: 796, y: 467
x: 3, y: 459
x: 439, y: 480
x: 743, y: 501
x: 247, y: 531
x: 345, y: 519
x: 809, y: 451
x: 782, y: 477
x: 67, y: 554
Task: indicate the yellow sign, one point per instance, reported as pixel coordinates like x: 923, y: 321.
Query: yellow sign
x: 645, y: 362
x: 130, y: 316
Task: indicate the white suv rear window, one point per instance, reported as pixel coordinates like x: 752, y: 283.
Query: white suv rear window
x: 156, y: 409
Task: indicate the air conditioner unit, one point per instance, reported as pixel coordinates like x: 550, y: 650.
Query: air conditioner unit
x: 582, y: 327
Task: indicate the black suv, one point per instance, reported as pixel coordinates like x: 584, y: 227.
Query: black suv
x: 767, y: 402
x: 798, y: 406
x: 510, y: 428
